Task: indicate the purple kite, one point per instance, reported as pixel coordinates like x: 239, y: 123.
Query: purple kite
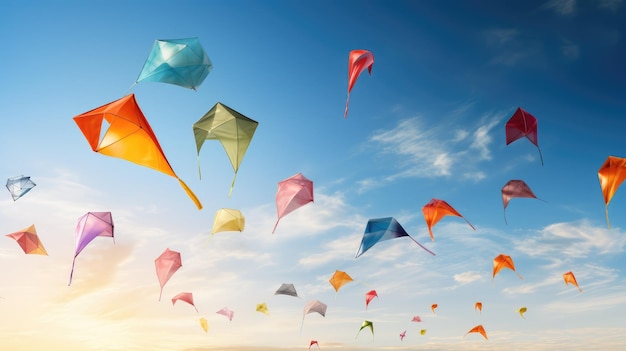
x: 89, y: 226
x: 293, y: 193
x: 522, y: 124
x: 515, y: 188
x: 166, y: 265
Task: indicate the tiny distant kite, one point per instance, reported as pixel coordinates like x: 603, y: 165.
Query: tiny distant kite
x: 204, y: 324
x: 181, y: 62
x: 339, y: 279
x: 611, y: 175
x: 416, y: 319
x: 262, y: 307
x: 522, y: 311
x: 226, y: 312
x: 366, y: 324
x: 369, y: 296
x: 166, y: 265
x: 186, y: 297
x: 478, y: 329
x: 90, y: 226
x: 19, y: 185
x: 128, y: 136
x: 286, y: 289
x: 503, y: 261
x: 358, y: 61
x: 29, y: 241
x: 515, y: 188
x: 433, y: 307
x: 402, y: 335
x: 232, y: 129
x: 293, y: 193
x: 228, y: 219
x: 381, y: 229
x: 314, y: 342
x: 571, y: 279
x: 522, y: 124
x: 423, y: 332
x: 313, y: 306
x: 478, y: 306
x: 435, y: 210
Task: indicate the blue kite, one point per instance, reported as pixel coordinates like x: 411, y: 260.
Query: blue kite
x: 381, y: 229
x: 19, y: 185
x: 181, y: 62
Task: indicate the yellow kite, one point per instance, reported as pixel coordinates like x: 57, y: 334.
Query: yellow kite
x: 228, y: 219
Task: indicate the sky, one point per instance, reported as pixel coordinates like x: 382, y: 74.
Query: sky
x: 429, y: 122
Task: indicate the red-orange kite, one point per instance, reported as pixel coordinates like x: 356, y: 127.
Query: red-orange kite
x: 128, y: 136
x: 293, y: 193
x: 369, y: 296
x: 314, y: 342
x: 478, y: 329
x: 433, y: 307
x: 339, y: 279
x: 435, y: 210
x: 358, y: 61
x: 478, y: 306
x: 611, y: 175
x: 503, y: 261
x: 522, y: 124
x: 571, y: 279
x: 515, y: 188
x: 29, y: 241
x: 166, y: 265
x: 186, y: 297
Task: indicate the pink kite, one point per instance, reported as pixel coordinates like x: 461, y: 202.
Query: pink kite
x: 226, y: 312
x: 358, y: 61
x: 166, y: 265
x: 522, y: 124
x: 402, y: 335
x: 186, y: 297
x: 515, y: 188
x: 293, y: 193
x: 435, y: 210
x: 416, y: 319
x: 369, y: 296
x: 314, y: 342
x: 89, y: 226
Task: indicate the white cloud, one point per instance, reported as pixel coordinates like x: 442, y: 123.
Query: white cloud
x: 612, y: 5
x: 467, y: 277
x: 561, y: 7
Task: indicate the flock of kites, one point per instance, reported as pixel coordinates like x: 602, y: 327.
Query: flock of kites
x: 185, y: 63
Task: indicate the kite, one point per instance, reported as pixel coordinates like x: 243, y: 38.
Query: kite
x: 166, y: 265
x: 433, y: 307
x: 478, y: 306
x: 204, y: 324
x: 435, y: 210
x: 262, y: 307
x: 311, y: 307
x: 611, y: 175
x: 339, y: 279
x: 369, y: 296
x: 503, y: 261
x: 522, y: 311
x: 186, y: 297
x: 29, y: 241
x: 571, y: 279
x: 366, y: 324
x: 226, y: 312
x: 515, y: 188
x: 314, y: 342
x: 128, y: 136
x: 402, y: 335
x: 423, y: 332
x: 358, y: 61
x: 416, y: 319
x: 90, y: 226
x: 522, y: 124
x: 227, y: 219
x: 19, y: 185
x: 478, y: 329
x: 180, y: 62
x: 286, y: 289
x: 293, y: 193
x: 381, y: 229
x: 233, y: 130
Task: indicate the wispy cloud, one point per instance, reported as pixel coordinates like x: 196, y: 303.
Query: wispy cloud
x: 570, y: 49
x: 561, y: 7
x: 500, y: 36
x: 611, y: 5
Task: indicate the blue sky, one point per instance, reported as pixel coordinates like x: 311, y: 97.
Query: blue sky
x: 428, y: 123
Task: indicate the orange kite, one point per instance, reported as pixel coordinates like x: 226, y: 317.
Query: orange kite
x: 29, y: 241
x: 571, y: 279
x: 433, y: 307
x: 611, y: 175
x: 503, y: 261
x: 128, y: 136
x: 478, y: 329
x: 435, y: 210
x: 339, y: 279
x: 478, y: 306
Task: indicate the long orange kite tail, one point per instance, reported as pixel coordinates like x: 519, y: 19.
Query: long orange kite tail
x: 190, y: 193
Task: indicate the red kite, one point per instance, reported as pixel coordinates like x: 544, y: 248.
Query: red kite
x: 293, y: 193
x: 29, y: 241
x: 166, y: 265
x: 478, y: 329
x: 435, y: 210
x: 515, y: 188
x: 314, y: 342
x: 571, y: 279
x: 416, y: 319
x: 611, y: 175
x: 478, y: 306
x: 369, y: 296
x: 186, y: 297
x: 339, y: 279
x: 433, y: 307
x: 358, y: 61
x: 522, y: 124
x: 503, y: 261
x: 128, y: 136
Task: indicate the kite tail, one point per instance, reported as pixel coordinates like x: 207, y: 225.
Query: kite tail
x: 72, y: 271
x: 505, y: 221
x: 275, y: 225
x: 301, y: 325
x: 422, y: 246
x: 345, y: 113
x: 190, y: 193
x: 199, y: 172
x: 232, y: 184
x: 540, y: 156
x: 131, y: 88
x: 519, y: 276
x: 470, y: 224
x: 606, y: 209
x: 160, y: 293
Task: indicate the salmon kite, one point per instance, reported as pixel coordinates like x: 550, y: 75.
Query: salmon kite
x: 513, y: 189
x: 29, y: 241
